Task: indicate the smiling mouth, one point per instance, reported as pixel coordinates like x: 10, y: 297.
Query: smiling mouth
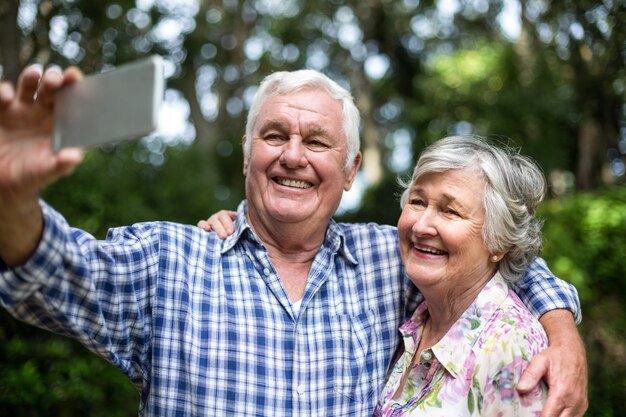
x: 293, y: 183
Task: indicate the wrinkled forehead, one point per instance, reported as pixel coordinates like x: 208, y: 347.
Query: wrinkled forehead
x: 312, y: 106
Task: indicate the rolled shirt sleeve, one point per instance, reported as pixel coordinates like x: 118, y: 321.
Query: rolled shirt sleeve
x: 541, y: 291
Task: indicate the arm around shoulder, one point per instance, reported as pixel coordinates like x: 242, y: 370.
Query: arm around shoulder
x: 563, y: 365
x: 542, y: 291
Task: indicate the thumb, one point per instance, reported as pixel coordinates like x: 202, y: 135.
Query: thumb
x: 537, y: 368
x: 66, y: 160
x: 204, y: 225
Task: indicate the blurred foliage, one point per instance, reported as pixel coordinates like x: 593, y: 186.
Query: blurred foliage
x: 42, y: 374
x: 112, y: 187
x: 552, y: 82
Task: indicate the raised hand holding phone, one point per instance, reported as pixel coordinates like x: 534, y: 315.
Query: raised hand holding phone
x: 46, y: 119
x: 110, y: 107
x: 27, y: 161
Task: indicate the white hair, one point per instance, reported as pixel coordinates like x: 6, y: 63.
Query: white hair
x: 285, y: 82
x: 515, y: 186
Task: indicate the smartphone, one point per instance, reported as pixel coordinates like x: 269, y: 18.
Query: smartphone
x: 110, y: 107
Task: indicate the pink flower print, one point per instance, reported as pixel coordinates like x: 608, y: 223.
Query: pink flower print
x: 504, y: 381
x: 505, y: 384
x: 457, y: 389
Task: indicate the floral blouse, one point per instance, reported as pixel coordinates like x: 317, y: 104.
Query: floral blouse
x: 474, y: 368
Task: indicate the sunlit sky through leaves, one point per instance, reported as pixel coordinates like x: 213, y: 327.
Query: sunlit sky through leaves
x: 178, y: 19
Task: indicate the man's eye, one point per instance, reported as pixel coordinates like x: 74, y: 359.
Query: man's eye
x: 274, y: 138
x: 316, y: 145
x: 416, y: 202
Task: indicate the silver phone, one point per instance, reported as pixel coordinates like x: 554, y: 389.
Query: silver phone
x: 110, y: 107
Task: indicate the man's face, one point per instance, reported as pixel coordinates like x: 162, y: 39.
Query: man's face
x: 295, y: 171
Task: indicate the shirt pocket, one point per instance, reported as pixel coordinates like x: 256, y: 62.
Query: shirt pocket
x: 360, y: 359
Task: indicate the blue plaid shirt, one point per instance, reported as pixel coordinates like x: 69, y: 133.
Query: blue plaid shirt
x: 203, y: 327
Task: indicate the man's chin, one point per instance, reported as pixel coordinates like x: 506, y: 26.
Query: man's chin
x: 292, y: 217
x: 293, y: 213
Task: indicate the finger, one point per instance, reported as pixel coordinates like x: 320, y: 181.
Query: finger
x: 60, y: 165
x: 553, y: 407
x: 51, y: 81
x: 70, y: 156
x: 227, y: 226
x: 28, y: 83
x: 218, y: 228
x: 564, y: 403
x: 221, y: 234
x: 232, y: 214
x: 7, y: 94
x: 68, y: 159
x: 204, y: 225
x: 71, y: 75
x: 537, y: 368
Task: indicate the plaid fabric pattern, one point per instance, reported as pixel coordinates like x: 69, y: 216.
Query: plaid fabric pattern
x: 203, y: 327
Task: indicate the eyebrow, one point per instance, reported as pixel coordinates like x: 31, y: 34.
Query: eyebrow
x: 273, y: 124
x: 277, y: 124
x: 317, y: 130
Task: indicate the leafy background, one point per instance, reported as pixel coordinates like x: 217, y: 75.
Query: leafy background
x: 548, y: 77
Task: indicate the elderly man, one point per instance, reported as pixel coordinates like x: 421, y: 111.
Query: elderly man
x: 291, y: 315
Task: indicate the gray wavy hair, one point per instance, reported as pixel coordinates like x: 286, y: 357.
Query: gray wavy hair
x: 285, y: 82
x: 515, y: 186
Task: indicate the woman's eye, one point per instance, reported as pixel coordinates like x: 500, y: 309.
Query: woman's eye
x: 416, y: 202
x: 452, y: 212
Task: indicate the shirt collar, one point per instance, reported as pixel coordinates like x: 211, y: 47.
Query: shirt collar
x: 453, y: 349
x: 241, y: 227
x: 335, y: 240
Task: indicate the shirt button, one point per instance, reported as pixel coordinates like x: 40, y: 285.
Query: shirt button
x: 427, y: 355
x: 266, y: 271
x: 300, y: 390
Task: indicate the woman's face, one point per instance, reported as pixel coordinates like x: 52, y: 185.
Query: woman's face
x: 440, y: 231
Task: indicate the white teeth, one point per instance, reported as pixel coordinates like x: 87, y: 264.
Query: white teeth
x: 430, y: 250
x: 293, y: 183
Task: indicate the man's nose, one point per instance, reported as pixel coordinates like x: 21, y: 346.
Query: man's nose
x: 294, y: 154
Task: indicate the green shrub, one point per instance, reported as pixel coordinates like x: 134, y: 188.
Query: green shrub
x: 43, y: 374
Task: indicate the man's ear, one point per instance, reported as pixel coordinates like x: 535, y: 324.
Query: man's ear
x: 245, y: 158
x: 351, y: 175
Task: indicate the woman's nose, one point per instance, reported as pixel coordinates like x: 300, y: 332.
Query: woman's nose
x: 294, y: 154
x: 424, y: 224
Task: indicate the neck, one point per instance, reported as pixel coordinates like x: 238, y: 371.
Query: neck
x: 289, y: 242
x: 445, y: 306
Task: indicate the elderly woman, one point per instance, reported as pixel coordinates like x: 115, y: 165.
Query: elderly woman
x: 467, y: 231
